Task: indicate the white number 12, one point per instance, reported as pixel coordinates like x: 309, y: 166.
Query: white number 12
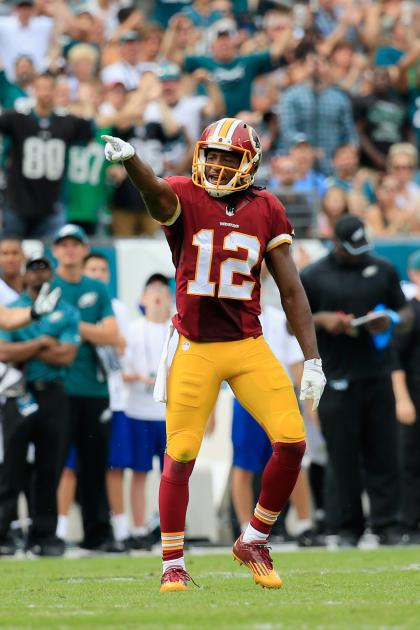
x: 202, y: 285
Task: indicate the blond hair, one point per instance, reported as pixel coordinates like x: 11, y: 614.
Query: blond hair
x: 83, y: 51
x: 403, y: 148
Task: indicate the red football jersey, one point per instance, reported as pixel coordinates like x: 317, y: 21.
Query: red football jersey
x: 218, y: 254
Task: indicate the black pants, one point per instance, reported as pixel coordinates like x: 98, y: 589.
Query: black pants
x: 90, y: 421
x: 47, y: 428
x: 410, y: 460
x: 360, y: 429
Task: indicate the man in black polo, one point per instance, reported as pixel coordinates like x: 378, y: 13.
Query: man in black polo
x: 357, y: 411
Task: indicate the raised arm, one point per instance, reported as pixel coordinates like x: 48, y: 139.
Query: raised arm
x: 159, y: 198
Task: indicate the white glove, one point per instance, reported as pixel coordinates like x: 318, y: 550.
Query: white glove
x: 116, y: 150
x: 46, y: 301
x: 313, y: 381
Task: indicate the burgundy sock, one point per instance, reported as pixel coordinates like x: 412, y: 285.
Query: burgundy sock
x: 278, y: 481
x: 173, y: 503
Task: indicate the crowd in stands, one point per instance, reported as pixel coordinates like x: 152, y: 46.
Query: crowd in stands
x: 331, y: 87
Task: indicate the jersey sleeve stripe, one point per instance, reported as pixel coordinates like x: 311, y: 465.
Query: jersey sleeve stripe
x: 278, y: 240
x: 175, y: 216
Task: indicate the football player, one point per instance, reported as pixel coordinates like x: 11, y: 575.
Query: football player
x: 220, y: 227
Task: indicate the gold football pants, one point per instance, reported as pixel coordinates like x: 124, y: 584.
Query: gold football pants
x: 256, y: 377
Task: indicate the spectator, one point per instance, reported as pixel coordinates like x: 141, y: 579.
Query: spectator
x: 17, y: 91
x: 146, y: 418
x: 190, y: 112
x: 86, y: 384
x: 81, y: 30
x: 380, y: 118
x: 402, y: 163
x: 234, y: 73
x: 319, y: 110
x: 334, y: 205
x: 284, y: 173
x: 83, y: 65
x: 37, y: 162
x: 24, y: 33
x: 406, y: 381
x: 12, y: 259
x: 88, y: 187
x: 96, y: 266
x: 359, y: 390
x: 347, y: 174
x: 385, y: 218
x: 347, y: 67
x: 46, y: 347
x: 128, y: 70
x: 308, y: 179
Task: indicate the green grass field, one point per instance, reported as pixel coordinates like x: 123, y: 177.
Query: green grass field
x: 364, y: 590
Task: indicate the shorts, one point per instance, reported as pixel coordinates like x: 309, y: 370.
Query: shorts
x: 120, y: 443
x: 251, y: 447
x: 147, y: 440
x: 119, y: 446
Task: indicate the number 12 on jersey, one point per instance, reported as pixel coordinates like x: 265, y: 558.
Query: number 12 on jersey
x: 201, y: 285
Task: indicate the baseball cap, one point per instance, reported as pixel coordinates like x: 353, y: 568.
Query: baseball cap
x: 130, y: 36
x: 38, y: 261
x: 71, y: 231
x: 414, y: 261
x: 300, y: 138
x: 351, y: 234
x: 225, y: 26
x: 169, y: 71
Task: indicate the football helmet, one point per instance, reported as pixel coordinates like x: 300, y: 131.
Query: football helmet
x: 227, y: 134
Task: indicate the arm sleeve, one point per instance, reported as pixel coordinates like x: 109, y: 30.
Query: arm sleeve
x: 193, y: 62
x: 396, y: 297
x: 70, y: 333
x: 105, y: 304
x: 6, y: 335
x: 260, y: 63
x: 281, y: 230
x: 400, y: 347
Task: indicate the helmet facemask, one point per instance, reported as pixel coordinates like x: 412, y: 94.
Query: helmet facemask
x: 242, y: 176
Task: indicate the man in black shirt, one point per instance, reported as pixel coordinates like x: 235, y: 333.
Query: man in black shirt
x: 357, y: 411
x: 39, y: 141
x: 381, y: 120
x: 406, y: 380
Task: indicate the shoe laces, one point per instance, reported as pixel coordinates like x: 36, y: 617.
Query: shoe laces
x: 175, y: 574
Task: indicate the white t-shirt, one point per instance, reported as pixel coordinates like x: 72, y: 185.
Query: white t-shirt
x: 129, y: 75
x: 7, y: 294
x: 284, y: 345
x: 116, y: 385
x: 187, y: 112
x: 144, y: 348
x: 32, y: 40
